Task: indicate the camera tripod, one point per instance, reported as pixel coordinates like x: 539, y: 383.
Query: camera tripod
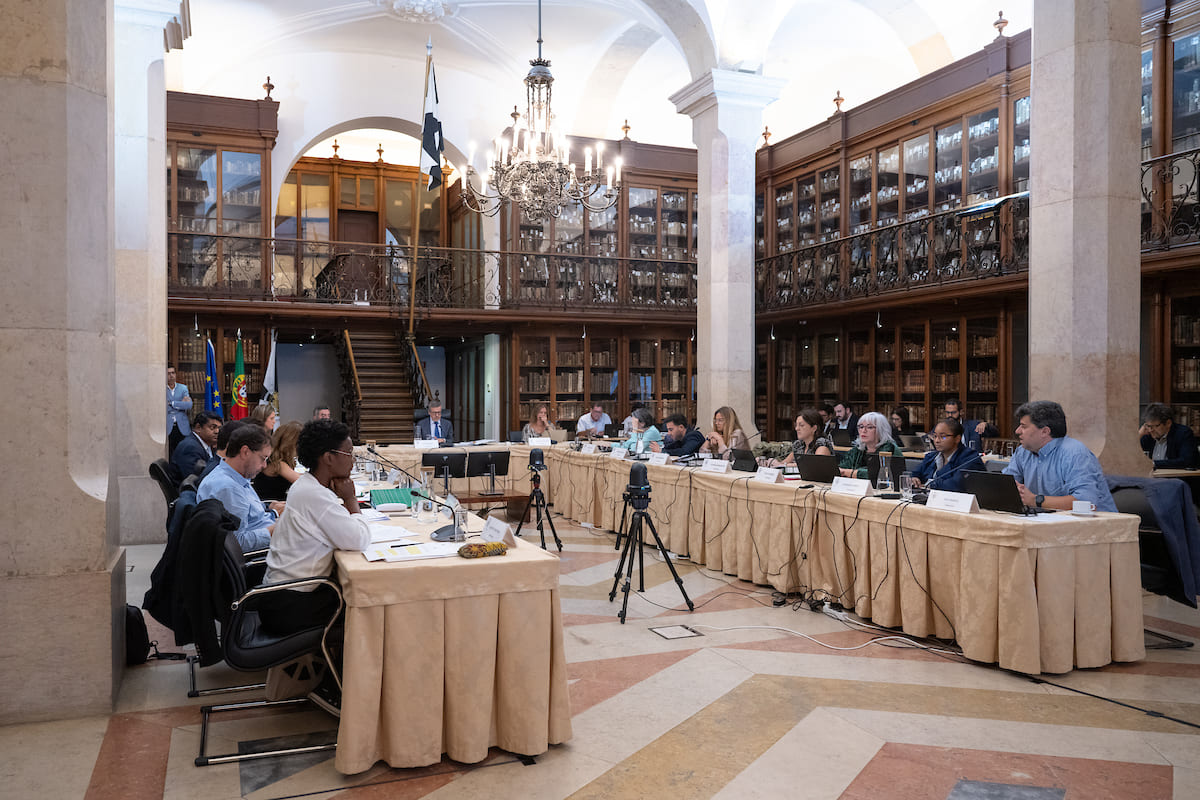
x: 640, y: 501
x: 538, y: 500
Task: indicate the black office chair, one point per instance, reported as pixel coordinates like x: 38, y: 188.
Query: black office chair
x: 1159, y: 574
x: 160, y: 470
x: 247, y: 647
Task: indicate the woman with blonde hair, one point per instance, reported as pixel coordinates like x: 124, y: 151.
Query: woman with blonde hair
x: 280, y: 473
x: 726, y: 434
x: 264, y: 414
x: 540, y: 425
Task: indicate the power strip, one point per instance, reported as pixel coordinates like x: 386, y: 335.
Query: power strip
x: 836, y: 613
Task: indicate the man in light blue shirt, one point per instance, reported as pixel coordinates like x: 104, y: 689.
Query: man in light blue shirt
x: 1052, y: 469
x: 246, y: 454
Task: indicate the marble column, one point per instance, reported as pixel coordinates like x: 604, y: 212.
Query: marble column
x: 1084, y: 266
x: 726, y: 111
x: 62, y: 583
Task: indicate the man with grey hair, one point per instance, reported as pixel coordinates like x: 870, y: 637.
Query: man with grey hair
x: 434, y: 427
x: 1052, y: 469
x: 1169, y: 444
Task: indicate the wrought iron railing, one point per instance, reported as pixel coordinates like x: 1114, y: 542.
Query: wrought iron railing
x: 1171, y: 201
x: 986, y: 240
x: 445, y: 278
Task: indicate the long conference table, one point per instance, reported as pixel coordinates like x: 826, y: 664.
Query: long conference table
x: 451, y: 655
x: 516, y: 482
x: 1033, y: 594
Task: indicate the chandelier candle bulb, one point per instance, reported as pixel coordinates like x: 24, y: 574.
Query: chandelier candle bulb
x: 609, y: 173
x: 620, y: 162
x: 587, y: 160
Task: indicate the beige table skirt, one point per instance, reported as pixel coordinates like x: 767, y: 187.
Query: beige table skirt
x: 451, y: 656
x: 1033, y: 595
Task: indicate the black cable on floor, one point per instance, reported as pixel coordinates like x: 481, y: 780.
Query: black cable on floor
x: 1146, y: 711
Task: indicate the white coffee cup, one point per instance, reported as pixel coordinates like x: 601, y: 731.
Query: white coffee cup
x: 1082, y: 507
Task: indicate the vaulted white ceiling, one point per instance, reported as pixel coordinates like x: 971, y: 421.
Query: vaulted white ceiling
x: 335, y: 62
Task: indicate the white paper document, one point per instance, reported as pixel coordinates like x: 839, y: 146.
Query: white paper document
x: 392, y: 533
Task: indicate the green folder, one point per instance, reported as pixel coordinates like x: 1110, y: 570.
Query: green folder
x: 398, y: 495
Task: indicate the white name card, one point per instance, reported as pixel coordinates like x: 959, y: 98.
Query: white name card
x: 426, y: 444
x: 618, y: 452
x: 718, y: 465
x: 859, y: 487
x: 704, y: 454
x: 769, y: 475
x: 588, y: 449
x: 658, y: 459
x: 540, y: 441
x: 494, y: 530
x: 958, y: 502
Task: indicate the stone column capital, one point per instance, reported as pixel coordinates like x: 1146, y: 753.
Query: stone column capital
x: 724, y: 86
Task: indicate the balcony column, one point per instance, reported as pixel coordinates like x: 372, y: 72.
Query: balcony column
x: 726, y: 111
x: 62, y: 581
x: 140, y: 229
x: 1084, y: 265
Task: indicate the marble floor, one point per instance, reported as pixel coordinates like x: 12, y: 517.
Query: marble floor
x: 769, y: 701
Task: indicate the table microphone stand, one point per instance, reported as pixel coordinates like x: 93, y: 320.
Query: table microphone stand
x: 538, y: 500
x: 639, y: 497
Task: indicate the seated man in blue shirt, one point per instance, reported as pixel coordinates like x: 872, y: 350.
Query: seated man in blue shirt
x: 1052, y: 469
x: 681, y: 439
x: 1169, y: 444
x: 246, y: 454
x: 943, y: 468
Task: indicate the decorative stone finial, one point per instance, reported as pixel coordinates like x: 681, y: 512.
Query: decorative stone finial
x: 335, y: 148
x: 838, y: 100
x: 380, y: 151
x: 766, y: 134
x: 1000, y: 24
x: 267, y: 87
x: 625, y: 128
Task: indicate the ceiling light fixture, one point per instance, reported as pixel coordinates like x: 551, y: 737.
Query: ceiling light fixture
x: 533, y: 169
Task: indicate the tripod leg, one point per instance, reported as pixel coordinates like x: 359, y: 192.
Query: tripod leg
x: 549, y: 520
x: 538, y: 504
x: 626, y: 553
x: 621, y: 527
x: 634, y: 540
x: 524, y: 513
x: 670, y: 565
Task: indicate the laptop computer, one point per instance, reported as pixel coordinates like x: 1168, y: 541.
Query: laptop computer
x: 896, y: 465
x: 743, y: 461
x: 818, y: 469
x: 842, y: 437
x: 559, y: 435
x: 612, y: 431
x: 998, y: 492
x: 912, y: 442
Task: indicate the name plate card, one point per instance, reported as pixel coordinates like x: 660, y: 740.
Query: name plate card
x: 426, y: 444
x: 618, y: 452
x: 958, y: 502
x: 769, y: 475
x: 859, y: 487
x: 588, y: 449
x: 494, y: 530
x: 658, y: 459
x: 540, y: 441
x: 718, y: 465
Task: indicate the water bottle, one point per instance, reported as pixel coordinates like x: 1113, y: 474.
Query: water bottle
x: 883, y: 482
x: 460, y: 524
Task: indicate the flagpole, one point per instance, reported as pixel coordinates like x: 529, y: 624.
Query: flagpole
x: 425, y: 96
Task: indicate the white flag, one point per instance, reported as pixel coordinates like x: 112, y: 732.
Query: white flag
x: 431, y: 131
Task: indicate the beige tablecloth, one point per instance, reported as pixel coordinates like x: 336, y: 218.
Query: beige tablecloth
x: 1044, y: 594
x: 451, y: 656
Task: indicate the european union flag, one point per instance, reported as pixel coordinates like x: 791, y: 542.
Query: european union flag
x: 212, y: 391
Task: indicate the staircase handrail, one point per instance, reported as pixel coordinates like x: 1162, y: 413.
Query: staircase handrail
x: 353, y: 367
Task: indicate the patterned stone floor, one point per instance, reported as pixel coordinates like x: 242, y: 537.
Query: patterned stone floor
x: 746, y: 710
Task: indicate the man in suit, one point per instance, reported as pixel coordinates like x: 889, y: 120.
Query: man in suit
x: 198, y: 449
x: 1169, y: 444
x: 179, y: 403
x: 973, y: 429
x: 843, y: 417
x: 942, y: 468
x: 434, y: 427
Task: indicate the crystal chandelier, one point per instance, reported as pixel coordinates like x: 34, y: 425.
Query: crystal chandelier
x: 533, y: 168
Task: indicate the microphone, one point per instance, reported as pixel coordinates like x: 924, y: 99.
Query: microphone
x: 380, y: 457
x: 948, y: 473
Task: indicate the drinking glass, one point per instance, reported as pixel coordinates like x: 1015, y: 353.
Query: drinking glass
x: 906, y: 485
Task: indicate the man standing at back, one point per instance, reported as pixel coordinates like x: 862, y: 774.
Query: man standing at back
x: 179, y: 404
x: 1052, y: 469
x: 246, y: 454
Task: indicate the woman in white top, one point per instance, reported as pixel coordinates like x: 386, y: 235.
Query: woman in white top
x: 540, y: 425
x: 726, y: 434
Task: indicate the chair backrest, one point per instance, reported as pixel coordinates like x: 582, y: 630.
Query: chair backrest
x: 160, y: 470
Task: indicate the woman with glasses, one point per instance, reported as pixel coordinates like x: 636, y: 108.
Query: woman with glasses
x: 810, y: 439
x: 942, y: 468
x: 874, y: 438
x: 901, y: 424
x: 644, y: 432
x: 726, y: 434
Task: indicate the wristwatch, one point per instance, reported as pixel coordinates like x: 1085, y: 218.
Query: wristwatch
x: 1039, y: 499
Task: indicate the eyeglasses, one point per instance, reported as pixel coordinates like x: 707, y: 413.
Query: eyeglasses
x: 866, y: 426
x: 939, y: 436
x: 342, y: 453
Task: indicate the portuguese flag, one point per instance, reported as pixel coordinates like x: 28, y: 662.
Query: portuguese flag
x: 239, y: 409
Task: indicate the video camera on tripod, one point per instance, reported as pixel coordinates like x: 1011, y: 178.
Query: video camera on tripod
x: 637, y: 493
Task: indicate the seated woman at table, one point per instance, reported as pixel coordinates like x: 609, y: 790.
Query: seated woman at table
x: 943, y: 467
x: 810, y: 439
x: 901, y: 423
x: 726, y: 435
x: 540, y: 425
x: 644, y: 432
x: 322, y: 516
x: 874, y: 438
x: 264, y: 414
x: 279, y: 474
